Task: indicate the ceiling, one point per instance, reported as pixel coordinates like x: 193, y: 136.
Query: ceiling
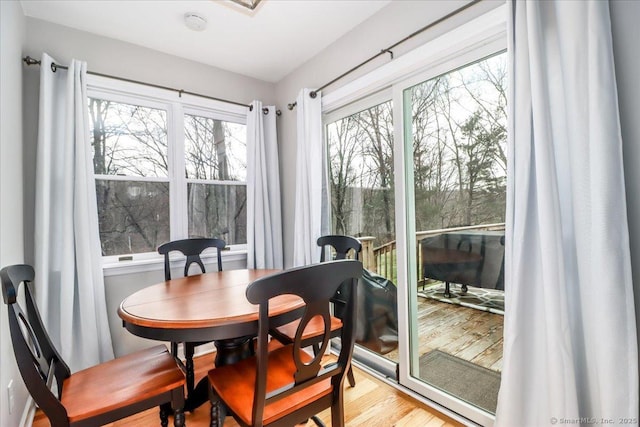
x: 266, y: 43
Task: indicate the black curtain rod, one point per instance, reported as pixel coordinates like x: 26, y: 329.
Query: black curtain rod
x: 54, y: 67
x: 388, y: 50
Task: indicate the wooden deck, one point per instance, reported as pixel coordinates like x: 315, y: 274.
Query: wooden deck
x: 464, y: 332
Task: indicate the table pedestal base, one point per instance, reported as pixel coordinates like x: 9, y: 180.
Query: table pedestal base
x: 227, y: 352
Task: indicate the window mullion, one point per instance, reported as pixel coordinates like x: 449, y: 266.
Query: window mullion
x: 178, y: 190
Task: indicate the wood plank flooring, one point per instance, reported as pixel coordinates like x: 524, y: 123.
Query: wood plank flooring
x: 464, y: 332
x: 370, y: 403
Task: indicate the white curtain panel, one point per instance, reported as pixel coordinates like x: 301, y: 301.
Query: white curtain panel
x: 264, y: 218
x: 570, y: 352
x: 309, y: 179
x: 69, y: 281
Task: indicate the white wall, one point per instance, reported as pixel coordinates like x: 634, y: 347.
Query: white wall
x: 12, y: 36
x: 625, y: 16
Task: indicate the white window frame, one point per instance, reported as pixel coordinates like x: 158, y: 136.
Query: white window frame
x: 176, y: 107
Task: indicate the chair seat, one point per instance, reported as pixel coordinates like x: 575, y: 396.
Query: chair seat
x: 120, y: 382
x: 312, y: 332
x: 235, y: 385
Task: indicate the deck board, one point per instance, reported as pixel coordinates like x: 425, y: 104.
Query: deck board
x: 464, y: 332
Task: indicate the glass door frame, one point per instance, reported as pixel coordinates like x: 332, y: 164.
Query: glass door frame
x: 375, y: 361
x: 480, y: 36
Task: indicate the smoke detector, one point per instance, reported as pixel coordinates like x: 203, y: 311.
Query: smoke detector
x: 195, y: 21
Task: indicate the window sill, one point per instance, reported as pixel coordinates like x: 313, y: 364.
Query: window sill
x: 118, y: 268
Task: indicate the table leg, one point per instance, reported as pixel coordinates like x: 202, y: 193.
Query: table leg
x: 227, y: 352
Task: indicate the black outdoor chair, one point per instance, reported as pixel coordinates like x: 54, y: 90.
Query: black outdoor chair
x: 95, y: 396
x: 192, y: 249
x: 287, y: 385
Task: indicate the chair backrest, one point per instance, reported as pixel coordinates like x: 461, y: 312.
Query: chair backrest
x: 315, y: 285
x: 38, y: 360
x: 341, y: 244
x: 191, y: 248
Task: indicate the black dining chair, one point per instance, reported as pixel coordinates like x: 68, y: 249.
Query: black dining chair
x: 192, y: 249
x: 287, y: 385
x: 340, y: 247
x: 95, y: 396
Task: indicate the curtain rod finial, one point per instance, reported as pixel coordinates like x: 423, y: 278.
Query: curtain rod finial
x: 30, y: 61
x: 292, y: 106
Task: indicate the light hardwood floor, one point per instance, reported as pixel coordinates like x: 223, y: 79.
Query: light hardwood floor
x: 370, y: 403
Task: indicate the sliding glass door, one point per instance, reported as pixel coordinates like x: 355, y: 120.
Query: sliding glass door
x: 417, y: 172
x: 454, y: 162
x: 360, y: 145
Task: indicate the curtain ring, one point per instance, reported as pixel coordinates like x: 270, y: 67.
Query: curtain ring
x: 54, y: 67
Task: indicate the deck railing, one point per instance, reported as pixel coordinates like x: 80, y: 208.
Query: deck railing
x: 383, y: 259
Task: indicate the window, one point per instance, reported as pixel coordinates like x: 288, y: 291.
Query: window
x: 459, y: 138
x: 216, y: 169
x: 360, y: 144
x: 360, y: 148
x: 139, y: 143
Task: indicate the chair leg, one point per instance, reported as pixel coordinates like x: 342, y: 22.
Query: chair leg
x: 215, y: 413
x: 177, y: 407
x: 350, y: 377
x: 164, y: 414
x: 188, y: 355
x: 178, y: 418
x: 337, y: 413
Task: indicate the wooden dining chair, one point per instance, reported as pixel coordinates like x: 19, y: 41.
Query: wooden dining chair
x: 339, y: 246
x: 192, y: 249
x: 95, y: 396
x: 288, y: 385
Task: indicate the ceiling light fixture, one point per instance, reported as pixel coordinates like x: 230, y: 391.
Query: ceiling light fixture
x: 195, y: 21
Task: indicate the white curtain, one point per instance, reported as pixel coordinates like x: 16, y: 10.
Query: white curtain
x: 69, y: 281
x: 309, y: 179
x: 570, y: 349
x: 264, y: 219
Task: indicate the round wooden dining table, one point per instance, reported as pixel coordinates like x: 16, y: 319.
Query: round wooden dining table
x: 202, y: 308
